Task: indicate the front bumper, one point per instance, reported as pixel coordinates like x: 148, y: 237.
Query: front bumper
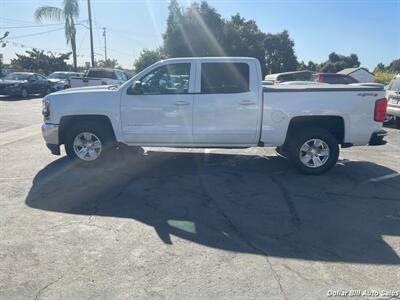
x: 377, y: 138
x: 50, y: 135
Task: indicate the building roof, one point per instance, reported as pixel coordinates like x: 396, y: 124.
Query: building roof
x: 349, y: 71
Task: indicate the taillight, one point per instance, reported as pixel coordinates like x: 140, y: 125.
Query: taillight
x: 380, y: 110
x: 321, y: 78
x: 103, y: 83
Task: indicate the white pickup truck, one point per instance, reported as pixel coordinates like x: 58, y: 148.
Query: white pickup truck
x: 99, y: 76
x: 215, y: 102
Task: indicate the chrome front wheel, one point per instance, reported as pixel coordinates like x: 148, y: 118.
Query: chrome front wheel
x: 87, y: 146
x: 314, y: 153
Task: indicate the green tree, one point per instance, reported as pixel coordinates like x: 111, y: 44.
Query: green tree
x: 147, y: 58
x: 310, y: 66
x: 199, y: 30
x: 380, y: 68
x: 194, y: 31
x: 279, y: 53
x: 109, y: 63
x: 394, y: 66
x: 244, y: 38
x: 337, y: 62
x: 38, y: 61
x: 67, y: 14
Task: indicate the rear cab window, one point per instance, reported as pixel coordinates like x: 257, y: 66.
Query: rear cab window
x: 101, y: 74
x: 224, y: 78
x: 334, y: 79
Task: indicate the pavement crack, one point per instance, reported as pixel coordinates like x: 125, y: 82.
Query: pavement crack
x: 249, y: 243
x: 47, y: 286
x: 294, y: 215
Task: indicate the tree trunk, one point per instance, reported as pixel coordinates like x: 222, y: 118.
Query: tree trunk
x: 73, y: 45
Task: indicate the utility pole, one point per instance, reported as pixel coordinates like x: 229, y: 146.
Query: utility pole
x: 105, y: 43
x: 91, y: 33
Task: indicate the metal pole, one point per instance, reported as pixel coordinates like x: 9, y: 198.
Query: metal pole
x: 91, y: 33
x: 105, y: 43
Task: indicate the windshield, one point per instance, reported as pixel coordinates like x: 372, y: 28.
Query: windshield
x: 17, y: 76
x: 57, y: 75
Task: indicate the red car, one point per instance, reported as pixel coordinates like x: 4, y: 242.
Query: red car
x: 333, y: 78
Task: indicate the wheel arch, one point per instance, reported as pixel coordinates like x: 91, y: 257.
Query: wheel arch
x: 334, y: 124
x: 70, y: 120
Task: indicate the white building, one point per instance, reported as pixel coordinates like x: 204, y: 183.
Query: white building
x: 361, y: 74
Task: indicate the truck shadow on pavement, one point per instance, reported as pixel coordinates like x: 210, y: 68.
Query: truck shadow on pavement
x: 240, y: 203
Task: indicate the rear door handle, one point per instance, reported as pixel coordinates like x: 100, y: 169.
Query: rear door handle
x: 246, y: 102
x: 181, y: 103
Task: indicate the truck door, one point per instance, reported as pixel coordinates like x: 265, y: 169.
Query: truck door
x: 160, y: 111
x: 226, y: 109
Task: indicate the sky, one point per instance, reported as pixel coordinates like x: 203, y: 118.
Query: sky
x: 369, y: 28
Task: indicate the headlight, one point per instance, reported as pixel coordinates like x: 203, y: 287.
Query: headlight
x: 45, y: 109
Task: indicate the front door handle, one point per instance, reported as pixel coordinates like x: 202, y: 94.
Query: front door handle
x: 247, y: 102
x: 181, y: 103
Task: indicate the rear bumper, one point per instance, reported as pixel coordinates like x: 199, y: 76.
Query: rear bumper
x: 393, y: 110
x: 377, y: 138
x: 50, y: 136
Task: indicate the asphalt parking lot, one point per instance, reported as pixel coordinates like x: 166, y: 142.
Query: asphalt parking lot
x: 193, y: 223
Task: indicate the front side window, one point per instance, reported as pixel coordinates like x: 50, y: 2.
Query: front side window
x: 168, y: 79
x: 224, y: 78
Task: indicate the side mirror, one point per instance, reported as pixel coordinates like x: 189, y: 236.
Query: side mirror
x: 136, y: 89
x: 31, y: 79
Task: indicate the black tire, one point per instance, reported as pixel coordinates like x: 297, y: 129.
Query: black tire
x: 397, y: 122
x: 46, y: 91
x: 24, y: 93
x: 103, y: 133
x: 300, y: 138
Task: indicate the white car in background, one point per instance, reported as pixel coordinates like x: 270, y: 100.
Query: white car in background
x: 61, y: 80
x: 393, y: 96
x: 100, y: 76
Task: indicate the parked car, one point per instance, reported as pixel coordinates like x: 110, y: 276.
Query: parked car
x: 215, y: 102
x: 23, y: 84
x: 61, y: 80
x: 333, y: 78
x: 289, y: 76
x: 393, y: 96
x: 100, y: 76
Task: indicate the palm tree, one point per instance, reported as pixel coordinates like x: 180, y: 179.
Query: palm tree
x: 67, y: 13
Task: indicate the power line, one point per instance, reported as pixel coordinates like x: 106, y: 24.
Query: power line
x: 35, y: 34
x: 31, y: 26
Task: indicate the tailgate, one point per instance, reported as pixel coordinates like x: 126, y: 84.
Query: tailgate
x: 86, y: 81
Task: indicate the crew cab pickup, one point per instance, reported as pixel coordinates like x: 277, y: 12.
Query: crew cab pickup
x: 99, y: 76
x: 215, y: 102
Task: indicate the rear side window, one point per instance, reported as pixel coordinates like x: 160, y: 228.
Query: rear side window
x: 395, y: 84
x: 101, y: 74
x: 224, y: 78
x: 334, y: 79
x: 350, y: 79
